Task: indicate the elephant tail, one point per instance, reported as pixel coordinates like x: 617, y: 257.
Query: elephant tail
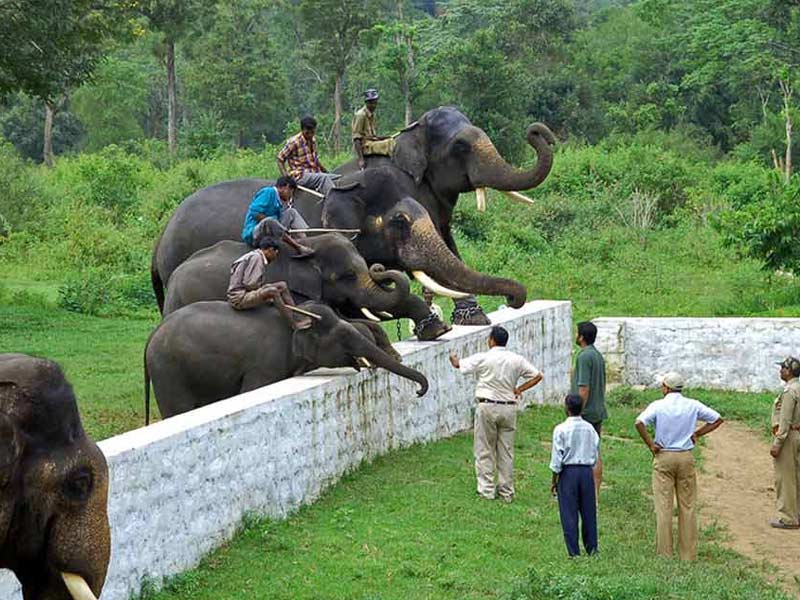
x: 155, y: 279
x: 147, y: 382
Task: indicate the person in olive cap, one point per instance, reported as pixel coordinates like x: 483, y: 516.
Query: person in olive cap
x: 366, y: 140
x: 674, y: 418
x: 785, y: 448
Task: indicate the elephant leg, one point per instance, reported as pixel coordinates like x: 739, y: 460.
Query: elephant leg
x: 468, y: 312
x: 378, y: 335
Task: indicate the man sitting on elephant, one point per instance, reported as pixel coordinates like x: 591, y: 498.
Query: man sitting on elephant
x: 365, y: 131
x: 299, y: 159
x: 271, y: 214
x: 248, y: 287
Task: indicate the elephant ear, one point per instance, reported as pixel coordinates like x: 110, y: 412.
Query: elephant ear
x: 305, y: 343
x: 305, y: 279
x: 411, y: 151
x: 10, y: 447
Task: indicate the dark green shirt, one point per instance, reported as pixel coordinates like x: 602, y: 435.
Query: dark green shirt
x: 590, y: 369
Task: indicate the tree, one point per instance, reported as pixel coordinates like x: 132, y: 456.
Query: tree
x: 171, y: 18
x: 235, y: 72
x: 331, y: 29
x: 51, y: 46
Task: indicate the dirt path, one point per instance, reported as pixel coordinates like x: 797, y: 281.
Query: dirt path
x: 736, y: 490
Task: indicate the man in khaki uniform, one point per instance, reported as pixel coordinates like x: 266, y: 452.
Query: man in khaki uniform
x: 366, y: 140
x: 497, y: 395
x: 786, y: 447
x: 248, y: 287
x: 674, y: 418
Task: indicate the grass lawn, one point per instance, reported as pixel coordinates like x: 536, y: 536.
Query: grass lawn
x: 409, y: 526
x: 102, y: 358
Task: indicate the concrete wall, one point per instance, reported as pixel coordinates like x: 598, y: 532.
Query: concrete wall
x: 180, y: 487
x: 725, y: 354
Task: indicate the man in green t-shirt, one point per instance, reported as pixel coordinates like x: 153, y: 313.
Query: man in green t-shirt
x: 589, y: 382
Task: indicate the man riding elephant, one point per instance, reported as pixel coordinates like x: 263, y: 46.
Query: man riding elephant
x: 437, y: 158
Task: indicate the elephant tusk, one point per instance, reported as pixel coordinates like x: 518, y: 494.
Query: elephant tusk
x: 385, y: 314
x: 427, y: 281
x: 480, y: 198
x: 77, y: 587
x: 517, y: 197
x: 367, y: 313
x: 364, y: 362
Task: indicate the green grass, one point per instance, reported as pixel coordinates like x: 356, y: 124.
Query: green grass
x: 102, y: 358
x: 409, y: 526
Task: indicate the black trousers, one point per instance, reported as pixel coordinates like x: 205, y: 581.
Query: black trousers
x: 576, y: 496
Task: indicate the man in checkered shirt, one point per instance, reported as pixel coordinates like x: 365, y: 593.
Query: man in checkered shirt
x: 299, y: 159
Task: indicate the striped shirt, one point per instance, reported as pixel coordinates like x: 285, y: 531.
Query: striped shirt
x: 575, y: 442
x: 301, y: 156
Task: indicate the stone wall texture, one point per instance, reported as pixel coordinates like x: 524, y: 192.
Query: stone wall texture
x: 180, y: 487
x: 725, y: 354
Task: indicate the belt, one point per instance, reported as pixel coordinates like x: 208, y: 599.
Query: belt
x: 487, y: 401
x: 791, y: 428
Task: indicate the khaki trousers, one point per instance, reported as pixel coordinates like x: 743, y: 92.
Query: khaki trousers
x: 786, y: 479
x: 674, y: 477
x: 384, y: 146
x: 495, y: 425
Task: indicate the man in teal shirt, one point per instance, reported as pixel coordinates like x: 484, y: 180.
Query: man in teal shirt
x: 589, y: 382
x: 271, y: 214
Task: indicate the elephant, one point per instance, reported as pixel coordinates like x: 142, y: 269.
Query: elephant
x: 208, y: 351
x: 336, y: 274
x: 54, y: 530
x: 434, y: 160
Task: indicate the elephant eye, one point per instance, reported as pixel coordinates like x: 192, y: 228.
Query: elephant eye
x: 460, y: 147
x: 79, y: 484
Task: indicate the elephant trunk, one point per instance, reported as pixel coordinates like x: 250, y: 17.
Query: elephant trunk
x: 375, y: 297
x: 426, y: 251
x: 361, y: 346
x: 490, y: 169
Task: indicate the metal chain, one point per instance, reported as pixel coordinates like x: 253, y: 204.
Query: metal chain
x: 399, y: 329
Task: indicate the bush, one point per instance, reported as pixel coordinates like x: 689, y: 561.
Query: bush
x: 18, y: 190
x: 94, y: 292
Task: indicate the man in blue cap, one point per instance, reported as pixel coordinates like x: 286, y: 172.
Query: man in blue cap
x: 366, y: 140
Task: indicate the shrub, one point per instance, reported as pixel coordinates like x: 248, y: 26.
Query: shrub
x: 18, y: 190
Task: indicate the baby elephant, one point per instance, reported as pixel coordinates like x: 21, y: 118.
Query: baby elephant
x: 207, y: 351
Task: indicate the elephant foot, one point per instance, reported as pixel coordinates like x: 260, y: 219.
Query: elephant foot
x: 430, y: 328
x: 469, y: 312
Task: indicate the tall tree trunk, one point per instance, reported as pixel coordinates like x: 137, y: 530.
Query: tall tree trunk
x: 337, y: 112
x: 404, y: 37
x: 172, y: 98
x: 787, y: 91
x: 47, y: 144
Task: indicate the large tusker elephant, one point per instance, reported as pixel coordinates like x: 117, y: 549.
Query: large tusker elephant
x: 336, y: 275
x: 439, y: 157
x: 208, y: 351
x: 54, y: 532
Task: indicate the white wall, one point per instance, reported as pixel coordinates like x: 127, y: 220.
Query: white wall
x: 725, y: 354
x: 180, y: 487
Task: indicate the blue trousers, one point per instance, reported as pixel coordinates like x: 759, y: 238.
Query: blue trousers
x: 576, y: 496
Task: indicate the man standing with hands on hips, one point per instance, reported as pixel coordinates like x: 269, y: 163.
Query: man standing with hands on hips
x: 497, y: 395
x: 786, y: 447
x: 675, y: 418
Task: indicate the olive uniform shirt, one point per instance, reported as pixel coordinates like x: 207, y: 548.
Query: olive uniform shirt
x: 786, y: 411
x: 365, y: 124
x: 590, y: 370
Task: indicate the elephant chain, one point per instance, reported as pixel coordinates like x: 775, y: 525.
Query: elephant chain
x: 464, y: 313
x: 399, y: 330
x: 420, y: 327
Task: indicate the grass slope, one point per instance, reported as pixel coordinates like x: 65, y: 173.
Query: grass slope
x: 409, y: 526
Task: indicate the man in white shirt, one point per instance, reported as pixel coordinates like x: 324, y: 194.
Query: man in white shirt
x: 497, y: 395
x: 675, y: 418
x: 576, y: 447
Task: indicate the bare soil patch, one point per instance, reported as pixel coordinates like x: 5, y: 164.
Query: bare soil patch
x: 736, y: 490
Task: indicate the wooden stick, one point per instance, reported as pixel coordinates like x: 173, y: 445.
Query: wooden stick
x: 302, y: 311
x: 323, y: 230
x: 303, y: 188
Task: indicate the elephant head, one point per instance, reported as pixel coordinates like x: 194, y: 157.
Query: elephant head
x: 53, y: 486
x: 339, y: 276
x: 453, y: 156
x: 333, y: 342
x: 397, y: 230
